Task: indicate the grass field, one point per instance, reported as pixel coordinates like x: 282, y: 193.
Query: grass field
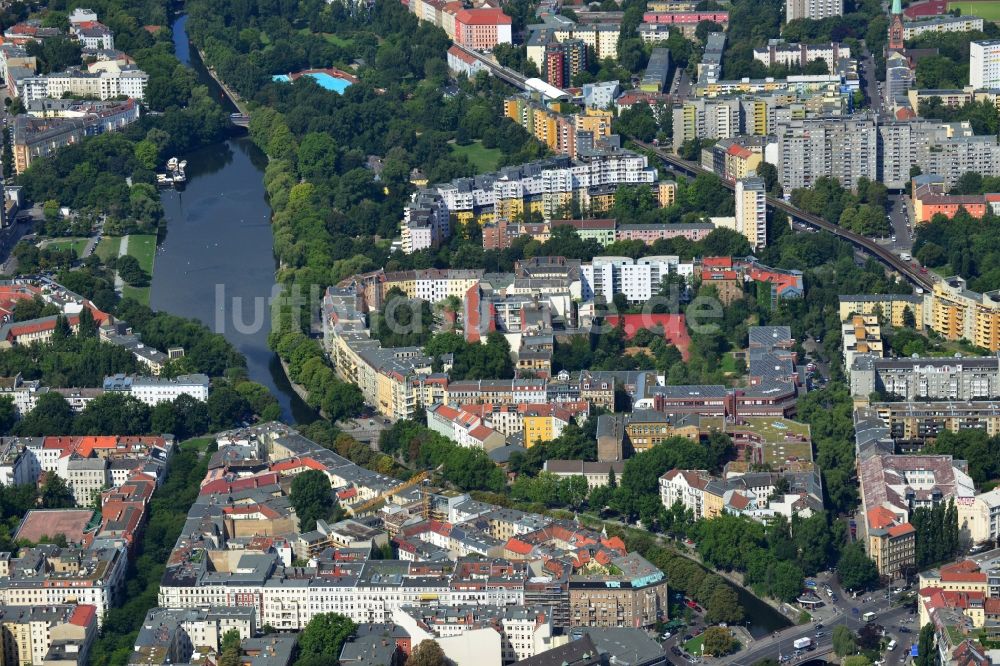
x: 75, y: 244
x: 989, y: 10
x: 483, y: 159
x: 143, y: 248
x: 693, y: 646
x: 333, y: 39
x: 196, y: 444
x: 108, y: 247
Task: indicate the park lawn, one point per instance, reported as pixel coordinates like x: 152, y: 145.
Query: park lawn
x: 330, y: 37
x: 693, y: 646
x: 143, y: 248
x: 108, y: 247
x: 989, y: 10
x: 75, y: 244
x: 196, y: 444
x: 483, y: 159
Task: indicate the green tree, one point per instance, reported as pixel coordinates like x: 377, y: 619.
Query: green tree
x: 856, y: 569
x: 8, y: 414
x: 843, y: 641
x: 312, y: 498
x: 427, y: 653
x: 926, y: 652
x: 324, y: 635
x: 55, y: 493
x: 719, y: 641
x: 52, y: 415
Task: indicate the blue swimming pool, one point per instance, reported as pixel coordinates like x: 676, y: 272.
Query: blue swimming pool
x: 326, y: 81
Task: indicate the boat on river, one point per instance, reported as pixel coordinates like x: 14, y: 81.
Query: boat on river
x: 174, y: 175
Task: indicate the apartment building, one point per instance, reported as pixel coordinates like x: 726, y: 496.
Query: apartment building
x: 48, y: 575
x: 685, y: 21
x: 563, y: 61
x: 861, y: 335
x: 476, y: 27
x: 948, y: 150
x: 913, y: 29
x: 958, y: 313
x: 889, y: 308
x: 597, y: 474
x: 177, y: 636
x: 930, y: 197
x: 779, y: 52
x: 602, y: 38
x: 845, y: 149
x: 482, y: 29
x: 548, y: 187
x: 154, y: 390
x: 64, y: 123
x: 464, y: 428
x: 984, y: 63
x: 636, y: 598
x: 812, y: 9
x: 638, y: 280
x: 426, y: 222
x: 902, y: 483
x: 751, y: 211
x: 104, y: 80
x: 961, y: 378
x: 891, y: 542
x: 45, y: 635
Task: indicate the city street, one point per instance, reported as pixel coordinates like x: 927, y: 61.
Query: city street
x: 840, y: 612
x: 871, y: 87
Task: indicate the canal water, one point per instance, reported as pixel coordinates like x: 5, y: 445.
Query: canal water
x: 215, y: 262
x: 763, y: 619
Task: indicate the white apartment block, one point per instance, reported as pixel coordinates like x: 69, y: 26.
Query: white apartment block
x: 291, y: 607
x: 686, y: 487
x: 751, y: 211
x: 984, y: 64
x: 48, y: 576
x: 638, y: 280
x: 982, y: 518
x: 913, y: 29
x: 778, y: 52
x: 107, y: 80
x: 843, y: 148
x: 812, y: 9
x: 154, y: 390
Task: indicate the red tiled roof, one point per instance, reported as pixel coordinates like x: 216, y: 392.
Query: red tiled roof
x: 518, y: 546
x: 900, y: 530
x: 486, y: 16
x: 881, y: 518
x: 83, y: 615
x: 717, y: 262
x: 461, y: 55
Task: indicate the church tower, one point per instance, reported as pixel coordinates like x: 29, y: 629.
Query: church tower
x: 896, y: 27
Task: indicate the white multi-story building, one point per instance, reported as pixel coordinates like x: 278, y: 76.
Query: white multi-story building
x: 638, y: 279
x: 425, y: 223
x: 751, y: 211
x: 913, y: 29
x: 984, y: 64
x: 778, y: 52
x: 154, y: 390
x: 686, y: 487
x: 105, y: 80
x: 842, y: 148
x: 48, y: 576
x: 812, y: 9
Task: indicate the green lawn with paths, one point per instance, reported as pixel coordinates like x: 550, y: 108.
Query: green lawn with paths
x: 483, y: 159
x: 143, y: 248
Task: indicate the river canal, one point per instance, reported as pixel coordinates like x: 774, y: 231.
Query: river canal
x: 215, y: 262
